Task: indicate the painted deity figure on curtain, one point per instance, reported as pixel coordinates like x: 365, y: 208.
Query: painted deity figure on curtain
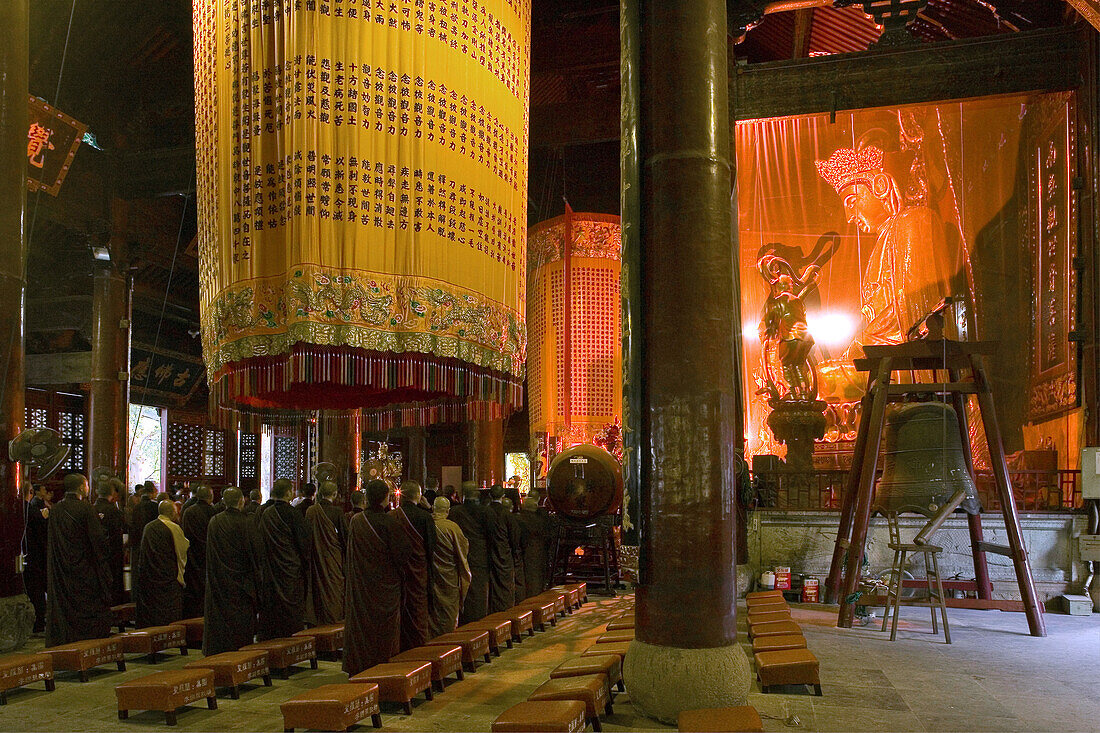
x: 914, y: 264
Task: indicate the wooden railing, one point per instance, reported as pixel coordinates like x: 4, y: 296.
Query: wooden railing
x: 1035, y: 491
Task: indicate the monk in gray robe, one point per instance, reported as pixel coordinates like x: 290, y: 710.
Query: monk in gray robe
x: 158, y: 597
x: 451, y: 575
x: 234, y: 558
x: 372, y: 627
x: 328, y: 530
x: 78, y: 581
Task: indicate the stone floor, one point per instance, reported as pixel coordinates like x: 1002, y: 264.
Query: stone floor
x: 994, y: 677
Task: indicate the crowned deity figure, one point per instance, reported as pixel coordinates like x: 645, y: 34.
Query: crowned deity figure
x: 913, y: 265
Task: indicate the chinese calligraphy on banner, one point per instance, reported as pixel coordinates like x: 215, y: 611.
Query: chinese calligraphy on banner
x: 362, y: 171
x: 52, y: 140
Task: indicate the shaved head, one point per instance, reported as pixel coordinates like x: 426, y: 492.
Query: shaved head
x: 410, y: 491
x: 167, y: 509
x: 233, y: 498
x: 469, y: 490
x: 377, y: 493
x: 328, y: 489
x: 282, y: 489
x: 75, y: 483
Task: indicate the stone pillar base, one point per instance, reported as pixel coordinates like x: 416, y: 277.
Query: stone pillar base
x: 665, y: 680
x: 16, y: 622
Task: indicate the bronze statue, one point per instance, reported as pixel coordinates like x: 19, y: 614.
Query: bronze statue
x: 785, y: 339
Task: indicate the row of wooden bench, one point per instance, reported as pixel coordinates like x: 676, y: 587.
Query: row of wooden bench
x: 579, y: 689
x: 167, y: 691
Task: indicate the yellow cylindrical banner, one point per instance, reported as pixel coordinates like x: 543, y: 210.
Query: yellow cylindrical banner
x: 575, y: 368
x: 362, y: 190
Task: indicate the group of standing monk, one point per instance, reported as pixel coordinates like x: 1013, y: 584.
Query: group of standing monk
x: 395, y: 577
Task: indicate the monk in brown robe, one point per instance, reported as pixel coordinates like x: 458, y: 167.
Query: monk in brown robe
x: 419, y: 528
x: 78, y: 582
x: 287, y: 547
x: 502, y: 576
x: 515, y: 543
x: 450, y: 570
x: 535, y: 539
x: 234, y: 576
x: 477, y: 524
x: 328, y: 529
x: 110, y: 516
x: 194, y: 523
x: 372, y: 605
x: 159, y: 595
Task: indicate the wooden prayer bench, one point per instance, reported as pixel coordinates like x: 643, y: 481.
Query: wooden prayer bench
x: 621, y: 622
x: 756, y: 601
x: 559, y: 597
x: 500, y: 632
x: 542, y: 612
x: 572, y: 596
x: 591, y: 689
x: 194, y: 627
x: 80, y: 656
x: 522, y: 620
x: 474, y: 644
x: 618, y: 648
x: 773, y: 628
x: 233, y: 669
x: 327, y: 639
x: 615, y: 637
x: 788, y: 667
x: 773, y: 595
x: 544, y: 716
x: 282, y: 654
x: 778, y: 643
x: 768, y: 604
x: 763, y: 617
x: 332, y: 707
x: 581, y: 589
x: 166, y: 691
x: 20, y: 670
x: 741, y: 719
x: 609, y: 665
x: 445, y: 660
x: 123, y: 614
x: 399, y: 682
x: 153, y: 639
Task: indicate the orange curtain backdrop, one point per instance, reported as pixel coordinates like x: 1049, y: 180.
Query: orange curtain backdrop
x: 362, y: 177
x: 593, y: 382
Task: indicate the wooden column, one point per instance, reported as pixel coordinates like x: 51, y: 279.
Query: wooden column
x: 232, y: 458
x: 685, y: 654
x: 13, y: 151
x: 109, y: 395
x: 417, y: 459
x: 341, y: 445
x: 489, y: 452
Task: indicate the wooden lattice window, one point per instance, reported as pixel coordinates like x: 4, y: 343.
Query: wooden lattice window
x: 288, y: 458
x: 63, y: 412
x: 249, y: 456
x: 195, y: 452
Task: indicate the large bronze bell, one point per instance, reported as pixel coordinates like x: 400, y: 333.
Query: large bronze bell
x: 925, y: 470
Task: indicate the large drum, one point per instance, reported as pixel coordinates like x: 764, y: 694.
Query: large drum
x: 585, y: 481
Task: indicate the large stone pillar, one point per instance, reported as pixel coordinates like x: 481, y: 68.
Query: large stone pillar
x: 489, y: 452
x: 15, y: 624
x: 109, y: 395
x: 342, y: 446
x: 685, y: 653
